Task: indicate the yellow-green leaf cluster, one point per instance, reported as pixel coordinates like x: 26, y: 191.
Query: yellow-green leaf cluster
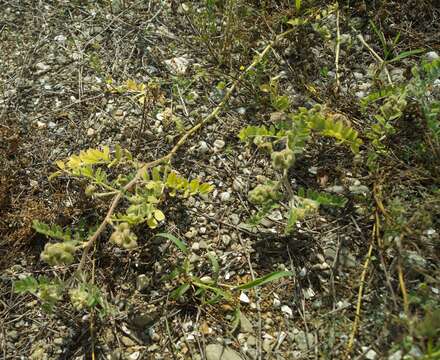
x: 124, y: 237
x: 58, y: 253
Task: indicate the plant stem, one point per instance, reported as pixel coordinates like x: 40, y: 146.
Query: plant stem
x: 92, y: 240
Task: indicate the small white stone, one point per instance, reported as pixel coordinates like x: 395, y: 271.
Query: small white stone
x: 287, y: 310
x: 313, y: 170
x: 276, y: 303
x: 42, y: 66
x: 237, y: 185
x: 371, y: 354
x: 396, y: 356
x: 308, y: 293
x: 60, y: 38
x: 195, y: 246
x: 358, y: 75
x: 203, y: 147
x: 90, y: 132
x: 219, y: 144
x: 33, y: 183
x: 244, y: 298
x: 41, y: 125
x: 431, y: 56
x: 226, y: 239
x: 178, y: 65
x: 51, y: 124
x: 235, y: 219
x: 134, y: 356
x: 337, y: 189
x: 225, y: 196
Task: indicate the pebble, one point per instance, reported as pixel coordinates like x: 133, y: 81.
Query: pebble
x: 60, y: 38
x: 238, y: 184
x: 41, y: 125
x: 142, y: 282
x: 226, y: 239
x: 220, y: 352
x: 304, y: 341
x: 178, y: 65
x: 225, y: 196
x: 203, y: 147
x: 268, y: 345
x: 360, y: 94
x: 244, y: 298
x: 358, y: 75
x: 359, y: 189
x: 127, y: 341
x: 337, y: 189
x: 287, y: 310
x: 431, y: 56
x: 245, y: 324
x: 370, y: 354
x: 396, y: 356
x: 251, y: 340
x: 90, y: 132
x: 134, y: 356
x: 219, y: 144
x: 235, y: 219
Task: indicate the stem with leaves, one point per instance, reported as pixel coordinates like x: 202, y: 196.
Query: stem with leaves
x: 166, y: 158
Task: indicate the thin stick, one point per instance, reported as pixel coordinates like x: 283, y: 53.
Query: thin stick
x: 378, y: 58
x: 338, y: 49
x: 357, y: 318
x: 89, y: 244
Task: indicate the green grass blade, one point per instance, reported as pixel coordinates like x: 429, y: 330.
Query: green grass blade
x: 179, y: 243
x: 264, y: 280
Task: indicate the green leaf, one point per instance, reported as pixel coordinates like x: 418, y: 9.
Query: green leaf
x: 323, y: 198
x: 28, y: 284
x: 179, y: 292
x: 298, y: 5
x: 53, y: 231
x: 235, y: 319
x: 215, y: 265
x: 179, y: 243
x: 405, y: 54
x: 264, y: 280
x: 225, y: 295
x: 291, y: 221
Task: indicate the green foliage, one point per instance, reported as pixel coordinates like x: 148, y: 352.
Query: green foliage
x: 48, y: 291
x: 53, y: 231
x: 123, y: 237
x: 179, y: 243
x: 273, y: 276
x: 58, y: 253
x: 391, y: 103
x: 278, y: 102
x: 206, y: 288
x: 265, y: 193
x: 389, y: 46
x: 322, y: 198
x: 292, y: 133
x: 143, y: 201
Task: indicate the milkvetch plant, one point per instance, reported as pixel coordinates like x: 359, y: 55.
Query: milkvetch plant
x: 284, y: 141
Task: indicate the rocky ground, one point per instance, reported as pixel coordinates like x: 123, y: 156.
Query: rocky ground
x: 56, y: 62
